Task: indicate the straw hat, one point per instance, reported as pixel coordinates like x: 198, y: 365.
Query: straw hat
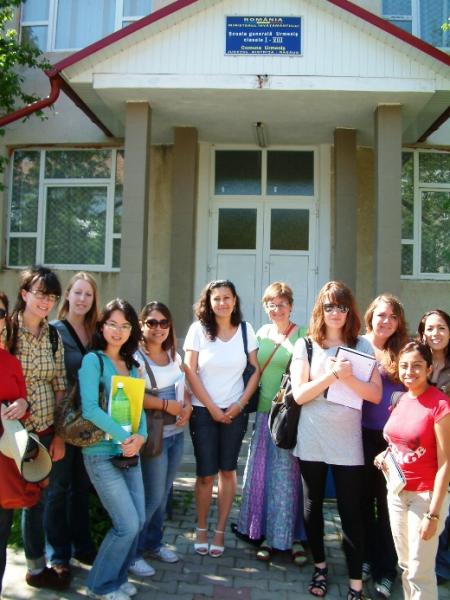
x: 30, y: 455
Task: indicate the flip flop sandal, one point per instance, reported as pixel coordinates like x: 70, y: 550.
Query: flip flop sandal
x: 299, y: 556
x: 264, y: 553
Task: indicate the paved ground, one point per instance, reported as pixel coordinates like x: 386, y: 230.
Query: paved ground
x: 235, y: 576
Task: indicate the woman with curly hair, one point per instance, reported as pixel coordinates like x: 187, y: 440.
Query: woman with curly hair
x: 434, y: 331
x: 215, y: 359
x: 120, y: 490
x: 329, y: 433
x: 386, y: 331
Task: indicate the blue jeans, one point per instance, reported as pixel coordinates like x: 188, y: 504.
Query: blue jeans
x: 33, y: 535
x: 158, y: 474
x: 66, y: 518
x: 122, y: 494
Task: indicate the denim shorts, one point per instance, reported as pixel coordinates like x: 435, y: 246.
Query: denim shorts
x: 216, y: 445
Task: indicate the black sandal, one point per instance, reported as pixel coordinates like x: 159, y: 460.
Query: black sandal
x: 355, y: 594
x: 319, y: 582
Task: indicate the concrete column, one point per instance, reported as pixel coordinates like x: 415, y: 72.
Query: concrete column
x: 346, y: 194
x: 184, y: 196
x: 134, y: 249
x: 388, y: 198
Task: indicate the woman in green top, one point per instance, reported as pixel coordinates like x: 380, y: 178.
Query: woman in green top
x: 271, y: 497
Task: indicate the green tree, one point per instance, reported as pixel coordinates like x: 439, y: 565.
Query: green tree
x: 14, y: 58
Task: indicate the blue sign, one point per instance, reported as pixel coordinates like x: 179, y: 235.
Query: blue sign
x: 263, y: 35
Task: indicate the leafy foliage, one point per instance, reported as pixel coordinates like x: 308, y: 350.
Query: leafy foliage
x: 14, y: 57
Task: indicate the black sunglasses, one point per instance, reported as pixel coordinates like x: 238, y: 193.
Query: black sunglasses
x: 328, y: 308
x: 153, y: 323
x: 3, y: 313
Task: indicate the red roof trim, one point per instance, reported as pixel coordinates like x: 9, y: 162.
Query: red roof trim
x: 174, y: 7
x: 118, y: 35
x: 402, y: 35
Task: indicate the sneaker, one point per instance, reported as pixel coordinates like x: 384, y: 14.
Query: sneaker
x: 48, y: 578
x: 384, y: 587
x: 116, y: 595
x: 366, y: 572
x: 165, y: 554
x: 141, y: 568
x: 128, y: 588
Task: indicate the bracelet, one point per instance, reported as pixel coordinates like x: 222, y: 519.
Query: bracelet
x: 334, y: 373
x: 430, y: 516
x: 241, y: 406
x: 165, y: 405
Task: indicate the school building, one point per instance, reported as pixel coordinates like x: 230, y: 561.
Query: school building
x: 254, y: 140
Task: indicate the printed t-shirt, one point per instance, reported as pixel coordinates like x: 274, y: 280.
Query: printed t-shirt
x: 410, y: 433
x: 220, y: 364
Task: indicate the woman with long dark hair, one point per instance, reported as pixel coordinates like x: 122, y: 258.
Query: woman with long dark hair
x: 120, y: 490
x: 386, y: 331
x: 67, y: 516
x: 329, y: 433
x: 418, y: 435
x: 157, y: 353
x: 434, y: 331
x: 214, y: 362
x: 39, y: 348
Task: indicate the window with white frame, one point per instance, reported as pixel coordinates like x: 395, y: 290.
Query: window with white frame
x: 422, y: 18
x: 58, y: 25
x: 66, y: 208
x: 426, y: 214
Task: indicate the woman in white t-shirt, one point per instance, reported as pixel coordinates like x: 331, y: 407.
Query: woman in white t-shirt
x: 214, y: 362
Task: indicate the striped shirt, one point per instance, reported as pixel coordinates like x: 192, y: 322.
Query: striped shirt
x: 44, y: 373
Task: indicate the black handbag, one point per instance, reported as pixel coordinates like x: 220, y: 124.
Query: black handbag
x: 285, y: 412
x: 252, y: 404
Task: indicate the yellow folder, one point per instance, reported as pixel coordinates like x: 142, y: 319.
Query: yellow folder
x: 134, y: 389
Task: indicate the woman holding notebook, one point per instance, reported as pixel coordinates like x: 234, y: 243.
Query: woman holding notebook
x: 329, y: 433
x: 418, y: 434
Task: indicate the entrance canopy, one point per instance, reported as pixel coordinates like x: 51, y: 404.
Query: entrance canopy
x: 350, y: 62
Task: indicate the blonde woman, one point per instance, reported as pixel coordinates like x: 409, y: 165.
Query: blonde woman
x: 67, y: 516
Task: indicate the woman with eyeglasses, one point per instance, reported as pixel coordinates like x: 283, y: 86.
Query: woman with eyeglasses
x: 434, y: 331
x: 120, y: 490
x: 329, y: 433
x: 215, y: 359
x: 386, y: 331
x: 39, y: 348
x: 67, y: 517
x: 272, y: 494
x: 158, y: 354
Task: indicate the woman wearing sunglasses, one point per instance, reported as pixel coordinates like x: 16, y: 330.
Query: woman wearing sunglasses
x: 120, y: 490
x: 214, y: 362
x: 329, y: 433
x: 158, y: 354
x: 40, y: 350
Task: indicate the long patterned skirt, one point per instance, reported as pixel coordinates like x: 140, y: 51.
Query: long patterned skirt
x: 272, y: 498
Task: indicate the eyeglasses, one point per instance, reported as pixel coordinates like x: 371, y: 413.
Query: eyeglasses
x: 115, y: 327
x: 153, y: 323
x: 3, y: 313
x: 273, y: 306
x: 329, y: 308
x: 43, y: 296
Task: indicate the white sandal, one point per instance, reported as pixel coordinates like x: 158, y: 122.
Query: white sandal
x: 214, y: 550
x: 201, y: 548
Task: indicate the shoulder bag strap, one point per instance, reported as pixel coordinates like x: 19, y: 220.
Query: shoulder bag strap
x: 309, y: 348
x: 54, y: 338
x: 75, y: 337
x: 244, y: 337
x: 288, y: 331
x: 149, y: 372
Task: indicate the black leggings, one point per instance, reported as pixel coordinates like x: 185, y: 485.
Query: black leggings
x: 6, y: 519
x: 349, y: 484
